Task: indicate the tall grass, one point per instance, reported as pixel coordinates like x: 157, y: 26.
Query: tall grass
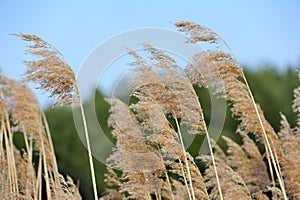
x: 54, y: 75
x: 166, y: 101
x: 150, y: 160
x: 21, y: 177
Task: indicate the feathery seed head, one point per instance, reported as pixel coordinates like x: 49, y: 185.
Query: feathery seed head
x: 51, y: 72
x: 197, y: 32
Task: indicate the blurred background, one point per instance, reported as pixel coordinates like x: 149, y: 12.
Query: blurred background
x: 263, y: 35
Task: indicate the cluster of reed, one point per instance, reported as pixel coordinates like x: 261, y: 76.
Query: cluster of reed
x: 150, y: 160
x: 20, y: 176
x: 32, y: 172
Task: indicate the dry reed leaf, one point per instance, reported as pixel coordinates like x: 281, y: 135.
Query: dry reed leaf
x: 51, y: 72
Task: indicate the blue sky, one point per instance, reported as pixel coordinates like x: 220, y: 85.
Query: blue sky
x: 257, y: 31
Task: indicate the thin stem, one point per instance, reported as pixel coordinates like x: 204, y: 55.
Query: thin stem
x: 44, y: 119
x: 167, y: 178
x: 185, y: 159
x: 209, y: 143
x: 146, y: 189
x: 49, y: 139
x: 29, y: 163
x: 270, y: 167
x: 89, y: 151
x: 215, y: 166
x: 185, y: 181
x: 8, y: 158
x: 277, y: 161
x: 266, y: 140
x: 10, y: 149
x: 169, y: 185
x: 39, y: 179
x: 43, y: 152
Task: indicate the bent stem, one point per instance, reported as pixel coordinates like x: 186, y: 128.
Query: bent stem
x: 211, y: 151
x: 267, y: 143
x: 89, y: 151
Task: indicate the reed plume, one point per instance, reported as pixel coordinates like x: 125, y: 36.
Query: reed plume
x: 140, y: 166
x: 290, y: 142
x: 5, y: 177
x: 157, y: 96
x: 27, y: 118
x: 173, y: 82
x: 247, y: 161
x: 51, y: 72
x: 56, y: 76
x: 112, y: 183
x: 233, y: 185
x: 26, y: 175
x: 142, y: 163
x: 216, y: 68
x: 149, y: 160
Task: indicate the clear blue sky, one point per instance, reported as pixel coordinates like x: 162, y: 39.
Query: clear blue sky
x: 257, y: 31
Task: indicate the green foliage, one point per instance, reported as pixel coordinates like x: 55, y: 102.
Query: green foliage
x: 273, y: 90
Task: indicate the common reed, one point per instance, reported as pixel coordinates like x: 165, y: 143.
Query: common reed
x: 21, y: 177
x: 150, y: 160
x: 166, y: 101
x: 55, y: 75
